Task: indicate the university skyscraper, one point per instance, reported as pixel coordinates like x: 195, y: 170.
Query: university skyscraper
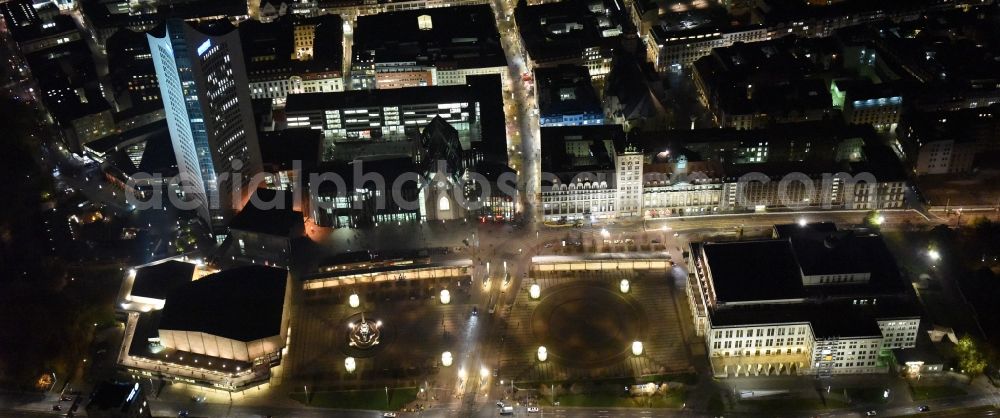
x: 204, y: 87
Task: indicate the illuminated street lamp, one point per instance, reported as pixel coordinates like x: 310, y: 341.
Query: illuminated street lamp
x: 535, y: 291
x: 880, y: 220
x: 445, y: 297
x: 934, y: 255
x: 802, y: 222
x: 624, y: 286
x: 462, y: 374
x: 605, y: 233
x: 446, y: 359
x: 484, y: 373
x: 354, y: 300
x: 350, y: 364
x: 636, y: 348
x: 543, y: 353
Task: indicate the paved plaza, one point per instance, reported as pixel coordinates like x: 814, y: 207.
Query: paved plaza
x: 415, y: 329
x: 587, y: 326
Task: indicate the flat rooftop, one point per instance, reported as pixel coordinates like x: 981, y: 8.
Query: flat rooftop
x: 566, y: 89
x: 281, y: 220
x: 759, y: 270
x: 767, y: 270
x: 561, y: 147
x: 243, y: 304
x: 457, y: 37
x: 564, y: 29
x: 158, y: 280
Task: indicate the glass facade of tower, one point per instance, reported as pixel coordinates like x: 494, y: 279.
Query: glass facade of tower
x: 208, y: 114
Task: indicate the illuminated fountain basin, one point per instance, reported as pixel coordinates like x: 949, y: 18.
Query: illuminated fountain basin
x: 365, y: 335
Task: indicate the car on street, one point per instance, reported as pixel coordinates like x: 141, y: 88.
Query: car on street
x: 533, y: 409
x: 499, y: 404
x: 475, y: 311
x: 56, y: 408
x: 923, y: 408
x: 871, y: 413
x: 389, y: 415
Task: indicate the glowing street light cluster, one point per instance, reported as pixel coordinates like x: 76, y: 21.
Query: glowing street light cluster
x: 354, y: 301
x: 624, y: 286
x: 543, y: 353
x: 636, y: 348
x: 446, y: 359
x: 535, y: 291
x: 350, y: 364
x: 445, y: 297
x: 934, y: 255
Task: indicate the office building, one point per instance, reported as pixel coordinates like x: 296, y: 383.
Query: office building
x: 293, y: 55
x: 687, y: 31
x: 389, y: 115
x: 262, y: 233
x: 582, y: 161
x: 203, y: 84
x: 593, y: 173
x: 359, y: 202
x: 752, y: 85
x: 763, y: 306
x: 131, y: 70
x: 434, y: 47
x: 865, y: 103
x: 566, y: 97
x: 571, y: 32
x: 361, y: 8
x: 950, y: 142
x: 103, y: 18
x: 33, y: 31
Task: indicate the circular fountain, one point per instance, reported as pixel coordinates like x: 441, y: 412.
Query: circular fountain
x: 365, y: 333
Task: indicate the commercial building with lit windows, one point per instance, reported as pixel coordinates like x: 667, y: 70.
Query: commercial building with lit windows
x: 566, y: 97
x: 764, y: 306
x: 596, y: 176
x: 863, y: 102
x: 571, y: 32
x: 203, y: 83
x: 293, y: 55
x: 433, y: 47
x: 676, y: 35
x: 386, y: 115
